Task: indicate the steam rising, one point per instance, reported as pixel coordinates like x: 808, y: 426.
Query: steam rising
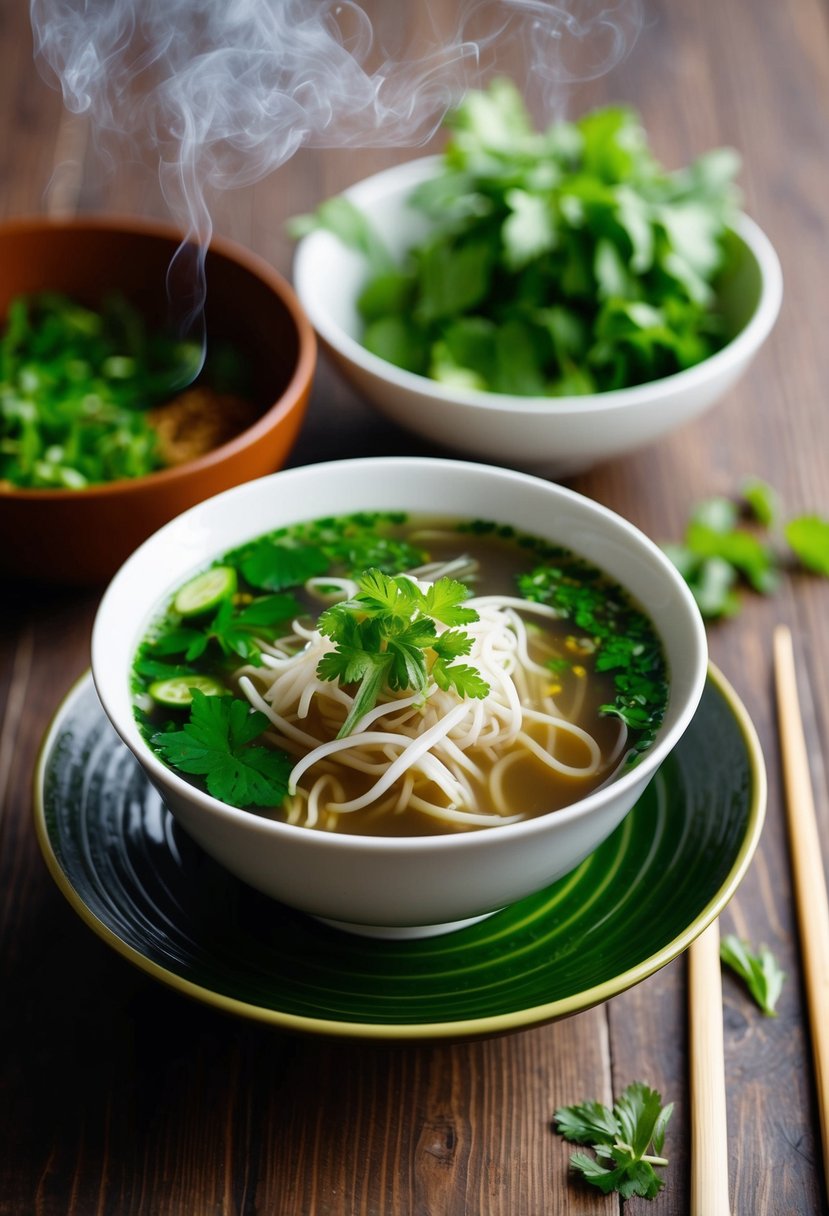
x: 226, y: 91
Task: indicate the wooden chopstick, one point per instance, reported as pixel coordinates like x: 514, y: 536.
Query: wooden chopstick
x: 709, y: 1140
x: 807, y: 871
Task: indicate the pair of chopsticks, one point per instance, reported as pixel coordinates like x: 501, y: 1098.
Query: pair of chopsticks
x: 709, y: 1160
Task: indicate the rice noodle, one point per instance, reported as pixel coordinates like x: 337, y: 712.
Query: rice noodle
x: 431, y: 751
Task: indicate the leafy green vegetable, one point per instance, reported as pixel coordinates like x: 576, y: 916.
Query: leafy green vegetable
x: 76, y: 385
x: 621, y: 637
x: 344, y: 545
x: 761, y: 971
x: 216, y: 744
x: 387, y: 635
x: 809, y: 538
x: 734, y: 543
x: 276, y: 567
x: 234, y: 629
x: 560, y: 261
x: 627, y: 1140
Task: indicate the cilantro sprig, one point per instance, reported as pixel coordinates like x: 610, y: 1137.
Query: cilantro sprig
x: 760, y: 970
x: 745, y: 543
x: 561, y: 261
x: 216, y: 743
x: 387, y: 636
x: 627, y: 1140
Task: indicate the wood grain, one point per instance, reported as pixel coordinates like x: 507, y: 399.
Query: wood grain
x: 119, y: 1097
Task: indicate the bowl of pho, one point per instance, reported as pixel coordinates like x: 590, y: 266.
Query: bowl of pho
x: 122, y: 401
x: 398, y: 694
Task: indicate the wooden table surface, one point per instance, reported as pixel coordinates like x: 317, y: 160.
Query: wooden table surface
x: 121, y: 1096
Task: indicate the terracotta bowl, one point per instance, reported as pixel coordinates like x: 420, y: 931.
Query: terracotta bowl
x: 82, y: 536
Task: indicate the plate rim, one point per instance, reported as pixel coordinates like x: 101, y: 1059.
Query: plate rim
x: 463, y: 1028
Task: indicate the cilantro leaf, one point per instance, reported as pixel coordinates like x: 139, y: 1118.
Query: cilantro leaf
x: 275, y: 567
x: 215, y: 744
x: 387, y: 636
x: 381, y: 594
x: 762, y: 500
x: 627, y: 1140
x: 760, y: 971
x: 739, y: 549
x: 444, y: 602
x: 339, y: 216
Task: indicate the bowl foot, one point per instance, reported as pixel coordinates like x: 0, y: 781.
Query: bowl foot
x: 403, y: 932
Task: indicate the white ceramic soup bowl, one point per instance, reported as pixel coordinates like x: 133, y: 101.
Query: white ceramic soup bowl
x: 553, y: 436
x: 390, y: 886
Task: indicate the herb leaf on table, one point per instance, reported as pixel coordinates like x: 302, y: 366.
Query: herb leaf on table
x: 627, y: 1141
x: 759, y: 969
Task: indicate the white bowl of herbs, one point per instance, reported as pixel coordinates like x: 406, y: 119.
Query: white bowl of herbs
x: 542, y: 299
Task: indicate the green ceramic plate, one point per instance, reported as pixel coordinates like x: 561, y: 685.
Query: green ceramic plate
x: 632, y: 906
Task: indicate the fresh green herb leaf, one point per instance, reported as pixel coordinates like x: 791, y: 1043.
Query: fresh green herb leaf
x: 760, y: 970
x: 235, y: 628
x: 76, y: 388
x: 718, y: 556
x: 744, y: 552
x: 387, y: 635
x: 620, y: 636
x: 339, y: 216
x: 275, y: 567
x: 808, y: 536
x: 762, y: 500
x: 216, y: 744
x: 579, y: 219
x: 627, y: 1141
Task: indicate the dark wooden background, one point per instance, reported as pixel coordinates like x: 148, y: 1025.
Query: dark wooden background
x: 119, y: 1096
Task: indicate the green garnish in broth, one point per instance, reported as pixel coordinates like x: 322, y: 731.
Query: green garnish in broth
x: 350, y: 674
x: 612, y: 629
x: 387, y: 636
x: 217, y: 744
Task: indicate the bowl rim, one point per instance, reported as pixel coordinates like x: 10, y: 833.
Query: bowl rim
x: 233, y: 251
x: 408, y: 174
x: 696, y: 651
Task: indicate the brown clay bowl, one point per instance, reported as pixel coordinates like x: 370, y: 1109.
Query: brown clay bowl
x: 83, y: 536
